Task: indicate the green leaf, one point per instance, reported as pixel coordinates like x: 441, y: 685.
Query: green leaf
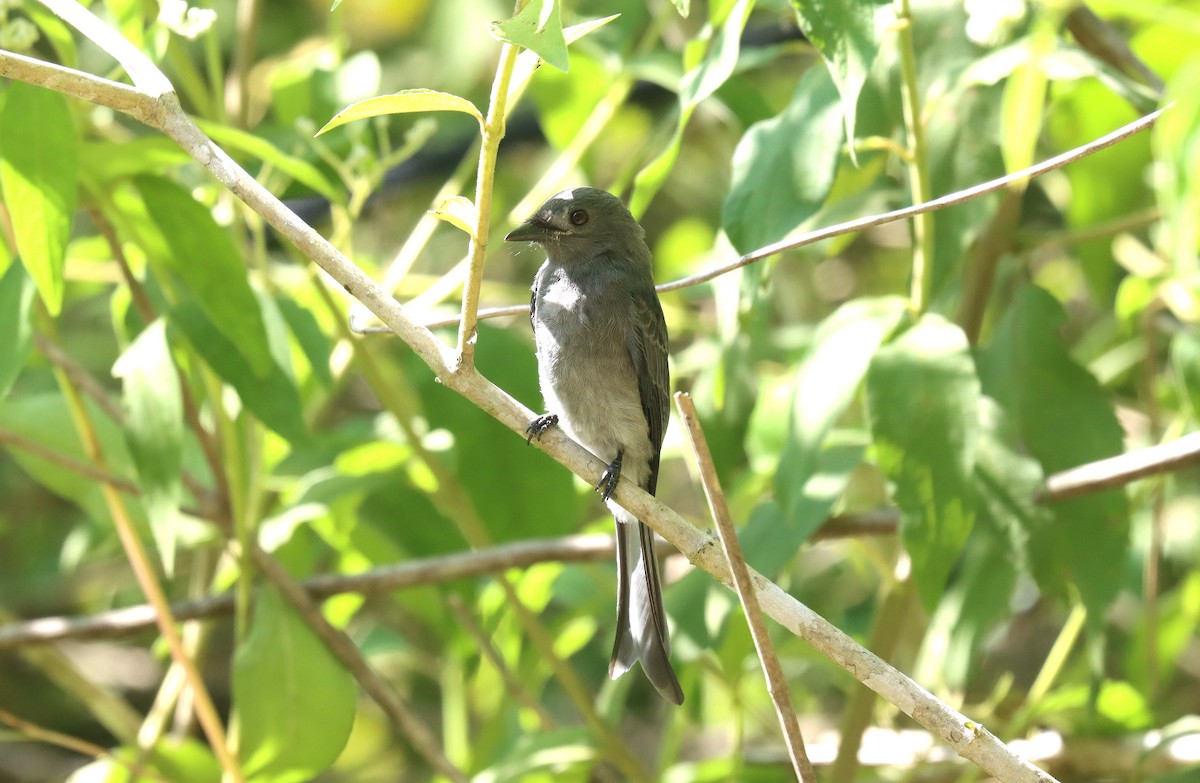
x: 313, y: 341
x: 1064, y: 419
x: 102, y: 162
x: 272, y: 397
x: 697, y: 84
x: 537, y: 27
x: 459, y: 212
x: 826, y: 383
x: 297, y: 168
x: 38, y: 166
x: 848, y: 34
x: 1024, y: 100
x: 403, y: 102
x: 1177, y: 149
x: 16, y: 309
x: 204, y: 257
x: 154, y: 431
x: 559, y: 751
x: 295, y: 702
x: 784, y: 167
x: 529, y: 63
x: 923, y: 403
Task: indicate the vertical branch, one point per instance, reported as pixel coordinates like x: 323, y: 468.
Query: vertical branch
x: 493, y: 132
x: 139, y: 561
x: 776, y: 683
x: 918, y: 169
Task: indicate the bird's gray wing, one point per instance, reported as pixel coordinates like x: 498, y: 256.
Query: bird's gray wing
x: 648, y: 350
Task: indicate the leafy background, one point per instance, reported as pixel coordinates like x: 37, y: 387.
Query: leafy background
x: 932, y: 377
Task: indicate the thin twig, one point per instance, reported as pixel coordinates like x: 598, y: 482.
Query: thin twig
x: 1120, y: 470
x: 512, y: 684
x: 870, y: 221
x: 776, y: 682
x: 147, y: 579
x: 68, y: 462
x: 592, y: 547
x: 79, y: 376
x: 75, y: 745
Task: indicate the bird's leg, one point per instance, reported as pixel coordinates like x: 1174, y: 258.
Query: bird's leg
x: 611, y: 475
x: 540, y: 425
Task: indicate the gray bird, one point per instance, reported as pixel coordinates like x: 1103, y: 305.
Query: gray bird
x: 602, y: 363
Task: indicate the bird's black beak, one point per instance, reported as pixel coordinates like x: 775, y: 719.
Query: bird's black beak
x: 535, y: 229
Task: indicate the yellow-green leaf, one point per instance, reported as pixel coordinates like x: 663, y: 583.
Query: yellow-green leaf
x: 403, y: 102
x: 458, y: 211
x: 38, y: 169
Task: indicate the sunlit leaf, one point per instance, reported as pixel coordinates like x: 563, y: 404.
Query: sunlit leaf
x: 202, y: 255
x: 295, y: 701
x: 271, y: 396
x: 16, y: 310
x: 538, y: 28
x: 699, y: 83
x: 38, y: 169
x: 403, y: 102
x: 848, y: 34
x: 784, y: 167
x: 458, y: 211
x: 297, y: 168
x: 1177, y: 148
x: 807, y: 482
x: 154, y: 430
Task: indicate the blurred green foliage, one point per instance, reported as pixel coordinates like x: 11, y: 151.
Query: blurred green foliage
x: 229, y: 397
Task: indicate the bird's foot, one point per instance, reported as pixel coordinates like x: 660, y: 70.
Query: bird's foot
x: 609, y: 478
x: 539, y: 426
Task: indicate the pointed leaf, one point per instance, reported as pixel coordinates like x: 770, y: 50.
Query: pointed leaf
x: 923, y: 404
x: 697, y: 84
x: 154, y: 431
x: 272, y: 397
x: 16, y: 309
x: 528, y: 62
x: 297, y: 168
x: 458, y: 211
x: 204, y: 257
x: 827, y: 382
x: 38, y: 169
x: 1064, y: 419
x: 848, y: 34
x: 295, y: 702
x: 784, y: 167
x: 403, y: 102
x: 537, y: 27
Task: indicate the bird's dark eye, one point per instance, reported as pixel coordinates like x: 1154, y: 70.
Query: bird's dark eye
x: 578, y: 217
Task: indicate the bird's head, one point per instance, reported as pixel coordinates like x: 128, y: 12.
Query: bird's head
x: 579, y: 222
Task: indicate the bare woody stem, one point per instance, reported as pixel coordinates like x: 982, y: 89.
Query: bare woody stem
x: 776, y: 682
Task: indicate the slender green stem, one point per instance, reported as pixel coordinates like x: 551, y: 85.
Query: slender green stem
x: 493, y: 132
x: 918, y: 168
x: 144, y: 571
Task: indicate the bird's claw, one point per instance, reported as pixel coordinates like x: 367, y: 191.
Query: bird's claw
x: 609, y: 478
x: 539, y: 426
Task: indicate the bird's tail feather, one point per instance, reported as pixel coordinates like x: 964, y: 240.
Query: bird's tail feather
x: 641, y: 622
